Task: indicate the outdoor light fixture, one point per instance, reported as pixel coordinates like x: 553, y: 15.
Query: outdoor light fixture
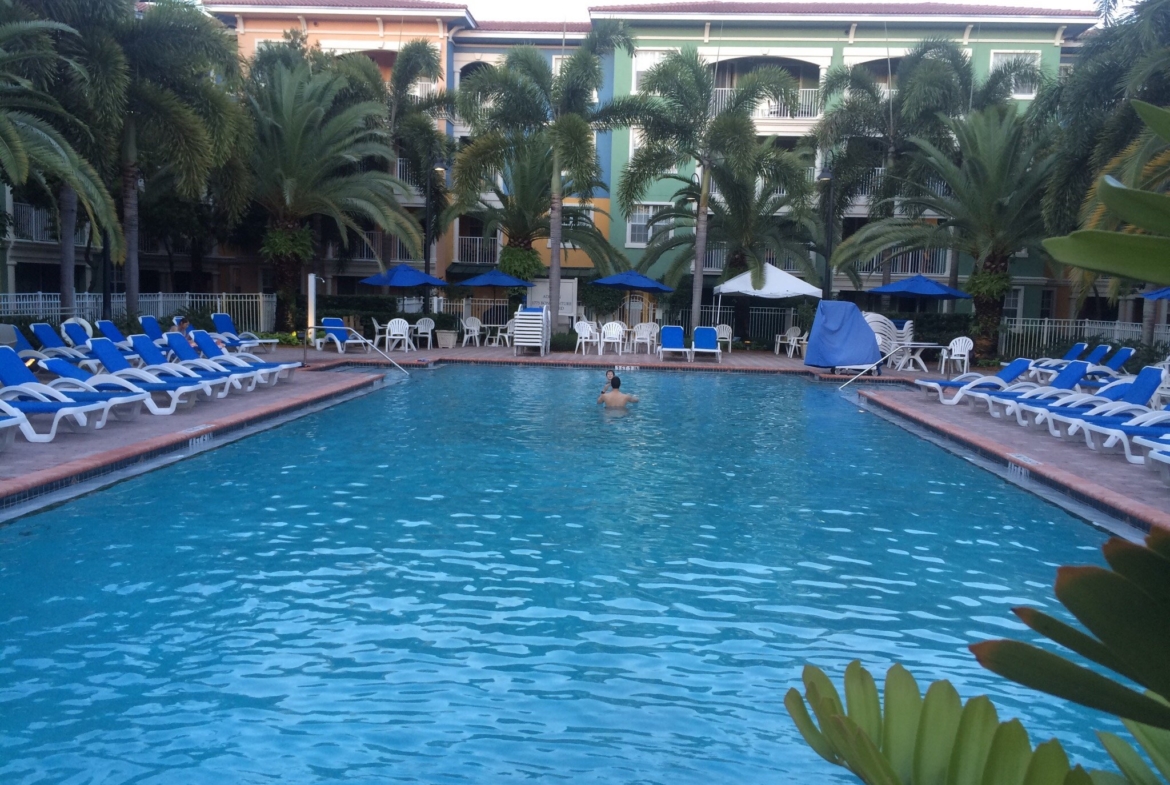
x: 825, y: 175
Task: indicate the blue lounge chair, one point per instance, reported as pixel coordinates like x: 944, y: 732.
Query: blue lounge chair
x: 21, y: 344
x: 53, y: 346
x: 212, y: 351
x: 175, y: 385
x: 77, y: 416
x: 156, y: 362
x: 334, y: 329
x: 1075, y: 351
x: 1093, y: 358
x: 111, y: 331
x: 76, y: 333
x: 1060, y: 415
x: 187, y: 355
x: 1157, y: 454
x: 977, y: 382
x: 706, y: 341
x: 24, y: 391
x: 176, y: 394
x: 152, y: 329
x: 671, y: 340
x: 225, y: 327
x: 1104, y: 437
x: 1002, y: 402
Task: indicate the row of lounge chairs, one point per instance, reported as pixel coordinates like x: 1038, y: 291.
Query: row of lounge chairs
x: 704, y: 341
x: 1090, y: 400
x: 83, y: 384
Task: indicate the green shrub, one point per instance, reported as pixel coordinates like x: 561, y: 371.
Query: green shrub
x: 443, y: 321
x: 522, y: 263
x: 563, y: 342
x: 200, y: 319
x: 285, y: 339
x: 598, y: 299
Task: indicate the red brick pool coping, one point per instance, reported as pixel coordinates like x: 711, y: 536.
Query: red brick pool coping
x: 27, y: 487
x: 1138, y: 514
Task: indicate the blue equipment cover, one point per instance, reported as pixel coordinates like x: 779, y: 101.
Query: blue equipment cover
x: 840, y: 336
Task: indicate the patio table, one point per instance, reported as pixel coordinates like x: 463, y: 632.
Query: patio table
x: 910, y: 355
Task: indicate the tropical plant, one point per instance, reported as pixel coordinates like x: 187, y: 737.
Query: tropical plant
x: 307, y: 163
x: 177, y: 114
x: 678, y: 126
x: 1131, y: 237
x: 756, y: 217
x: 912, y: 740
x: 522, y: 98
x: 33, y: 148
x: 520, y: 206
x: 987, y: 206
x: 867, y: 126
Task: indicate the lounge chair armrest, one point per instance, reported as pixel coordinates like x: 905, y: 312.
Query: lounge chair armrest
x: 38, y: 391
x: 1154, y: 418
x: 116, y: 379
x: 67, y: 384
x: 171, y: 369
x: 139, y: 374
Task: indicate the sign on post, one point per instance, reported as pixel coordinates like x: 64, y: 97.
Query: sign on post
x: 538, y: 296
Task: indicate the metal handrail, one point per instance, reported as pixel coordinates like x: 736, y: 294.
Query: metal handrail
x: 366, y: 341
x: 870, y: 368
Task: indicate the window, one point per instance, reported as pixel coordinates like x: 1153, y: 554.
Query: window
x: 1013, y: 301
x: 636, y: 142
x: 638, y: 233
x: 1064, y: 71
x: 569, y: 221
x: 643, y: 62
x: 1021, y: 87
x: 1047, y: 298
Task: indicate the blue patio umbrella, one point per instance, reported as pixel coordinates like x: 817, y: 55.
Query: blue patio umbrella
x: 632, y: 281
x: 402, y: 276
x: 1160, y: 294
x: 495, y: 278
x: 921, y: 286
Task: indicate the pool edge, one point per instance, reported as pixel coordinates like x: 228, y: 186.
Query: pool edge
x: 1083, y: 492
x: 37, y: 490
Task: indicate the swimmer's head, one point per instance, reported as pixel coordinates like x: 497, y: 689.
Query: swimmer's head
x: 609, y: 374
x: 616, y: 383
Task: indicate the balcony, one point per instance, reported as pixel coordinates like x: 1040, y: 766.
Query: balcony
x: 872, y: 183
x: 808, y: 105
x: 477, y: 250
x: 38, y: 225
x: 932, y: 262
x: 402, y: 172
x: 714, y: 260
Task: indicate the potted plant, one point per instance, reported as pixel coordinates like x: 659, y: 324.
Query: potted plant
x: 445, y: 339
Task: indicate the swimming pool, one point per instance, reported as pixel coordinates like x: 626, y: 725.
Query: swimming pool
x: 479, y: 576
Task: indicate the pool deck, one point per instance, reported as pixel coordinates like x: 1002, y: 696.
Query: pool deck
x: 73, y: 463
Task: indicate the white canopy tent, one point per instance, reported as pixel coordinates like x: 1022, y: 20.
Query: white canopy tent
x: 777, y: 285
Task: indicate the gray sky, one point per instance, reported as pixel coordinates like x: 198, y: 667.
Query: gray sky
x: 576, y: 10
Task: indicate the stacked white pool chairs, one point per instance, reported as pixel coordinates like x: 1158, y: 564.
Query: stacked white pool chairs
x: 1082, y: 402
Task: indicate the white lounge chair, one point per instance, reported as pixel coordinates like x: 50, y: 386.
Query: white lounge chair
x: 80, y: 417
x: 24, y: 391
x: 973, y: 382
x: 156, y: 362
x: 212, y: 351
x: 585, y: 335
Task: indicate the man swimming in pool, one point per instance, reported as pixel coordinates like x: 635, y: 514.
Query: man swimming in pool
x: 615, y: 398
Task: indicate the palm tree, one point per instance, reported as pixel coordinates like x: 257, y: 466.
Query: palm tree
x: 522, y: 97
x: 177, y: 109
x: 308, y: 162
x: 524, y: 210
x: 988, y: 206
x: 753, y: 220
x: 868, y: 124
x: 33, y: 149
x: 90, y: 82
x: 678, y: 126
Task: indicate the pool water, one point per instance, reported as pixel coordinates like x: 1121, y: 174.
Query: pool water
x: 480, y: 576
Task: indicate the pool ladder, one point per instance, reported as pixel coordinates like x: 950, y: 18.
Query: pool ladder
x: 365, y: 341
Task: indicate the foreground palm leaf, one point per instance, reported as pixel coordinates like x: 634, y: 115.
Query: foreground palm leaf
x: 1126, y: 612
x: 1143, y: 256
x: 911, y: 740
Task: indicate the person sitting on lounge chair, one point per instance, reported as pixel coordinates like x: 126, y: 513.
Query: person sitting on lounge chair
x: 615, y: 398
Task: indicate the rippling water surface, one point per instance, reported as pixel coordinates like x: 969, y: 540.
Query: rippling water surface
x: 479, y: 577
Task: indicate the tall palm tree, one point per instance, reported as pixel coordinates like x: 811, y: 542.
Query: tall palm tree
x: 90, y: 81
x: 523, y: 96
x: 678, y: 126
x: 988, y: 206
x: 754, y: 219
x: 33, y: 150
x: 307, y: 162
x: 868, y: 124
x: 176, y: 107
x: 524, y: 210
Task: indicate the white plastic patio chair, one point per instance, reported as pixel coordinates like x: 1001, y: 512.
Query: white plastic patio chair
x: 612, y: 333
x: 472, y: 330
x: 957, y: 355
x: 585, y: 335
x: 424, y: 328
x: 785, y: 339
x: 381, y: 333
x: 644, y: 336
x: 398, y: 334
x: 723, y: 332
x: 504, y: 336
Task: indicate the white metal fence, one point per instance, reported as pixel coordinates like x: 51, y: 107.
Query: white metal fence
x: 930, y: 262
x: 807, y: 105
x: 488, y: 311
x: 1039, y: 337
x: 250, y: 312
x: 478, y: 250
x: 38, y: 225
x: 764, y: 323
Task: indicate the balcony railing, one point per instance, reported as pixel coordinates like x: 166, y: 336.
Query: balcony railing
x: 932, y: 262
x: 393, y: 251
x: 715, y: 260
x: 807, y: 106
x: 872, y: 182
x: 478, y: 250
x: 37, y: 225
x: 402, y: 172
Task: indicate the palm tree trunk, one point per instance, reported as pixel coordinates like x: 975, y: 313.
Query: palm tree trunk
x: 987, y: 297
x: 952, y: 274
x: 1149, y: 311
x: 130, y: 231
x: 555, y: 213
x: 700, y: 247
x: 67, y: 211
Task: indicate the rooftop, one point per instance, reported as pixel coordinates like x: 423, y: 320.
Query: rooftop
x: 364, y: 5
x: 494, y: 26
x: 848, y: 9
